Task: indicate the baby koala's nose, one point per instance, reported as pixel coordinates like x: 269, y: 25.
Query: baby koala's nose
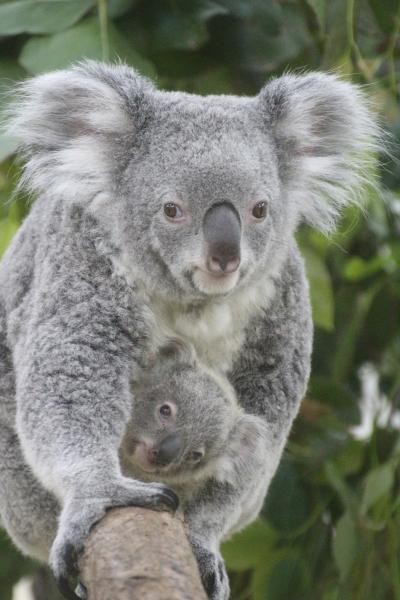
x: 168, y: 449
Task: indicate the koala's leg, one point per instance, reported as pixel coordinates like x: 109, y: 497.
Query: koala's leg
x: 28, y: 512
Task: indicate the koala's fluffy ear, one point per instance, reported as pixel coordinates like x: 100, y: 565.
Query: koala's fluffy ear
x: 72, y: 124
x: 325, y: 137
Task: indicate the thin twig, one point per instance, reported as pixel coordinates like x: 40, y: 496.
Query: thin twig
x: 103, y: 19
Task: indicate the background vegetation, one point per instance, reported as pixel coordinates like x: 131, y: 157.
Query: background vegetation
x: 330, y: 527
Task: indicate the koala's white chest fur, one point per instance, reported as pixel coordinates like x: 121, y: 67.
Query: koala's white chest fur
x: 216, y: 329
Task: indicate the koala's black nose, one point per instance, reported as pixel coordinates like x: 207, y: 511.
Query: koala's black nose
x: 169, y: 449
x: 222, y: 232
x: 227, y: 264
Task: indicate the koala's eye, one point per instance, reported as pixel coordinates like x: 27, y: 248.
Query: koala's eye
x: 260, y: 210
x: 172, y: 211
x: 165, y: 411
x: 196, y: 455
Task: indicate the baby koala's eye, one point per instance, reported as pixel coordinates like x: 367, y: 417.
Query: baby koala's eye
x: 172, y: 210
x: 165, y: 411
x: 196, y: 455
x: 260, y: 210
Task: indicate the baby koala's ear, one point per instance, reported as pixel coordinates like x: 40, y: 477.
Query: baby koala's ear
x: 325, y: 135
x: 249, y: 430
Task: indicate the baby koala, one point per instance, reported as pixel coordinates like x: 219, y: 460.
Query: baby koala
x: 186, y: 424
x: 188, y: 431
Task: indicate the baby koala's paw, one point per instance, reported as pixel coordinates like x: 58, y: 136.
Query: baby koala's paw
x: 82, y: 512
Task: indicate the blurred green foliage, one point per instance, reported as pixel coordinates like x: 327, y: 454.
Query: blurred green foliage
x: 330, y: 526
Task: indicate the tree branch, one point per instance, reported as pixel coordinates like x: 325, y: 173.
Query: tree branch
x: 139, y: 554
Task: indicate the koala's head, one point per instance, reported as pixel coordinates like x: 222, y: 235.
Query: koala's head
x: 181, y: 420
x: 199, y: 195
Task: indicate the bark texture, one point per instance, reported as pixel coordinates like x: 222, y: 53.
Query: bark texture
x: 139, y: 554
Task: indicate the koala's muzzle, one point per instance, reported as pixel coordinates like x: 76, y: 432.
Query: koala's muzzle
x: 222, y: 232
x: 168, y: 449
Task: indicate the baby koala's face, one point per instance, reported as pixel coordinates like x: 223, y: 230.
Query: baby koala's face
x: 181, y: 421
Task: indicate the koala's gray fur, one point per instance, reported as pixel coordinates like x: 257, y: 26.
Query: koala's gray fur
x: 96, y: 278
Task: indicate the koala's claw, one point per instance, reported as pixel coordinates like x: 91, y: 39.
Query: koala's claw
x: 169, y: 499
x: 160, y: 497
x: 212, y: 571
x: 64, y: 587
x: 81, y: 591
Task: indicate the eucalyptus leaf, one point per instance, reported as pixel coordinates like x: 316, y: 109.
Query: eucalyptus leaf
x: 385, y: 12
x: 287, y: 579
x: 249, y: 547
x: 287, y: 505
x: 337, y: 481
x: 322, y: 299
x: 8, y: 228
x: 345, y: 545
x: 117, y: 8
x: 41, y: 16
x: 174, y: 29
x: 319, y: 7
x: 79, y: 42
x: 357, y: 268
x: 379, y: 483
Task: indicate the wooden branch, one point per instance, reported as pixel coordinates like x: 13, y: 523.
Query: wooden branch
x: 139, y: 554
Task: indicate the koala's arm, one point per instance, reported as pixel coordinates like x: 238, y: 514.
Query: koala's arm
x: 73, y: 362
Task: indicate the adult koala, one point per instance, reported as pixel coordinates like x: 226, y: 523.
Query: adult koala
x: 158, y: 214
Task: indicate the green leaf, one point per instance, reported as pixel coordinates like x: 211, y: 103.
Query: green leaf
x: 287, y: 506
x: 346, y: 345
x: 345, y: 493
x: 209, y: 9
x: 385, y: 12
x: 247, y: 548
x: 351, y: 458
x: 41, y: 16
x: 79, y: 42
x: 8, y: 228
x: 261, y: 574
x: 319, y: 7
x: 320, y: 289
x: 239, y: 8
x: 357, y: 268
x: 379, y: 483
x: 258, y: 51
x: 345, y: 545
x: 176, y: 29
x: 287, y: 579
x: 117, y: 8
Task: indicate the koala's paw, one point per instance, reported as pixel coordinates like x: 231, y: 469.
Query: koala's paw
x: 81, y: 513
x: 212, y: 571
